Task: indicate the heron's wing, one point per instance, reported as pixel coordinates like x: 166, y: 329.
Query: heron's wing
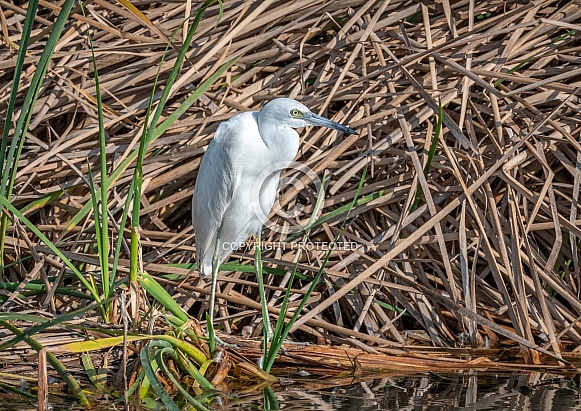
x: 218, y: 178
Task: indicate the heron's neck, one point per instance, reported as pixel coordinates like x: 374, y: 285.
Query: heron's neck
x: 282, y: 142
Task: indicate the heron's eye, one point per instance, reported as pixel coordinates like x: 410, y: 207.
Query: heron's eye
x: 295, y: 113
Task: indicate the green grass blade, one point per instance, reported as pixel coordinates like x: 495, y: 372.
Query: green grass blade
x: 4, y: 201
x: 148, y: 133
x: 264, y: 308
x: 44, y: 324
x: 176, y: 69
x: 22, y: 48
x: 39, y: 288
x: 18, y: 392
x: 9, y: 164
x: 103, y: 343
x: 53, y: 361
x: 137, y: 180
x: 161, y: 296
x: 278, y: 343
x: 284, y: 306
x: 98, y: 379
x: 172, y: 118
x: 46, y: 199
x: 120, y: 237
x: 173, y: 353
x: 270, y: 401
x: 162, y: 128
x: 149, y: 366
x: 19, y: 136
x: 434, y: 144
x: 340, y: 211
x: 101, y: 221
x: 103, y: 260
x: 131, y: 389
x: 194, y: 372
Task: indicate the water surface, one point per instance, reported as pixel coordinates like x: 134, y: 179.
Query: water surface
x: 468, y: 390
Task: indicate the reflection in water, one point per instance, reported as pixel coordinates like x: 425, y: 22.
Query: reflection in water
x: 468, y: 390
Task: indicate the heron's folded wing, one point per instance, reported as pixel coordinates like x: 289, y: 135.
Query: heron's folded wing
x: 216, y: 182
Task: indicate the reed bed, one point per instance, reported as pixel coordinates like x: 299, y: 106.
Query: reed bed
x: 466, y: 230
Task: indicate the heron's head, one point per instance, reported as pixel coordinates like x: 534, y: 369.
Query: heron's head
x: 290, y: 113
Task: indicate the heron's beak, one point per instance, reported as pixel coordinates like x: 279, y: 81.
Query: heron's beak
x: 315, y: 120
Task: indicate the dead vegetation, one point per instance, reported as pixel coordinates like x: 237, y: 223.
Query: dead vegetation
x: 488, y: 258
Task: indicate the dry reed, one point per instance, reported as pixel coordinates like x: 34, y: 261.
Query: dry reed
x: 490, y: 256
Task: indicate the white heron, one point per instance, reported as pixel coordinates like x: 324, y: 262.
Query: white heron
x: 233, y: 194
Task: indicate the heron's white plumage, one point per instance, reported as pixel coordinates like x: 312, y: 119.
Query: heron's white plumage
x: 232, y: 165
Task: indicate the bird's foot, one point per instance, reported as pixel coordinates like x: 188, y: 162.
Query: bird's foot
x: 260, y: 362
x: 222, y: 344
x: 299, y: 343
x: 269, y: 331
x: 284, y: 351
x: 218, y: 349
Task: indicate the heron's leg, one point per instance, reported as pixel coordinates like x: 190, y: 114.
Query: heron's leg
x: 211, y: 308
x: 267, y: 330
x: 212, y: 338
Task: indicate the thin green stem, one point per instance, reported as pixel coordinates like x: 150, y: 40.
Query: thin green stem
x: 52, y: 360
x: 31, y: 226
x: 162, y: 128
x: 102, y: 219
x: 278, y: 343
x: 276, y: 340
x: 266, y: 330
x: 9, y: 164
